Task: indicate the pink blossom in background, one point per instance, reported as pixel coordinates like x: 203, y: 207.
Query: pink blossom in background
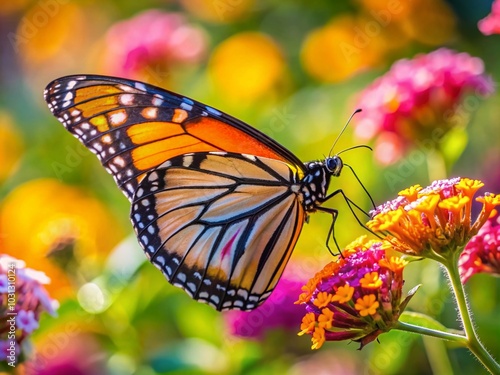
x: 147, y: 45
x: 23, y: 298
x: 491, y: 23
x: 80, y: 354
x: 279, y: 311
x: 418, y: 101
x: 482, y: 253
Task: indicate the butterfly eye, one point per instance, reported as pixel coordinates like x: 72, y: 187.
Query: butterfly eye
x: 334, y: 165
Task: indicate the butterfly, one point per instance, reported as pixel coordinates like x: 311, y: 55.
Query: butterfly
x: 216, y: 205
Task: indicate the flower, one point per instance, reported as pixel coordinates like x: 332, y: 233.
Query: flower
x: 277, y: 312
x: 430, y: 22
x: 482, y: 253
x: 356, y: 297
x: 219, y: 11
x: 23, y: 298
x: 418, y: 101
x: 247, y: 66
x: 60, y: 230
x: 435, y: 221
x: 11, y: 146
x: 491, y: 23
x: 340, y: 49
x: 76, y: 353
x: 150, y: 44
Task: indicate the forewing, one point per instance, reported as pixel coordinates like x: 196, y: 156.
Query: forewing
x: 133, y: 127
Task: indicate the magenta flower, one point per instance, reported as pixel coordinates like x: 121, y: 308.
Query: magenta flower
x: 491, y: 23
x: 277, y: 312
x: 357, y: 297
x: 482, y: 253
x: 149, y: 44
x: 418, y: 101
x: 22, y: 299
x: 81, y: 354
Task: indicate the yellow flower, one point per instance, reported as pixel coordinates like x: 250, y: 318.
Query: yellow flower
x: 335, y: 315
x: 11, y: 146
x: 9, y: 7
x: 44, y: 32
x: 59, y: 230
x: 371, y: 280
x: 429, y: 22
x: 219, y: 11
x: 343, y: 294
x: 340, y: 49
x: 433, y: 221
x: 318, y: 338
x: 325, y: 319
x: 322, y: 299
x: 367, y: 305
x: 411, y: 193
x: 308, y: 323
x: 395, y: 264
x: 247, y: 66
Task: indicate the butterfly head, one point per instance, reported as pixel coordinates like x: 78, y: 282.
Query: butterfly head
x: 333, y: 165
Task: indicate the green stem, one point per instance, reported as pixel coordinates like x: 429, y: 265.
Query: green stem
x: 431, y: 332
x: 472, y: 343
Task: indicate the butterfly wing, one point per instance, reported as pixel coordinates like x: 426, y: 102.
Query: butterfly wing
x: 133, y: 127
x: 220, y: 225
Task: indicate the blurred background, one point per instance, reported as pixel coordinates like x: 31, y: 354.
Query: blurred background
x: 295, y: 70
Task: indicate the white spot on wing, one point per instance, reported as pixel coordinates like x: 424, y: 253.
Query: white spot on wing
x: 126, y: 99
x: 118, y: 118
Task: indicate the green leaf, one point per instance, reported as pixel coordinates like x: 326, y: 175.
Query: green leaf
x: 423, y: 320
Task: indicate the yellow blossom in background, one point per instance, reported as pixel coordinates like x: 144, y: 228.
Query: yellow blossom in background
x: 11, y: 146
x: 386, y: 11
x: 430, y: 22
x: 246, y: 66
x: 341, y: 49
x: 219, y: 11
x: 12, y: 6
x: 58, y: 229
x: 43, y: 33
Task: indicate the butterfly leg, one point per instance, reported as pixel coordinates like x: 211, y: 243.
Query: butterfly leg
x: 331, y: 231
x: 334, y: 213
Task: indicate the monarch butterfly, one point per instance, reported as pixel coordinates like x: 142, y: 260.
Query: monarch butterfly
x: 216, y: 205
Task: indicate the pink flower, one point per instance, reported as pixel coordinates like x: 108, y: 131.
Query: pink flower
x: 147, y: 45
x: 491, y: 23
x: 80, y: 354
x: 418, y: 101
x: 22, y: 300
x: 482, y: 253
x: 277, y: 312
x: 26, y: 321
x: 356, y: 297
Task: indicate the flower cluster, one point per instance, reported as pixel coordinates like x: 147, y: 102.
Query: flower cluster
x: 146, y: 46
x: 357, y: 297
x: 436, y: 220
x: 491, y: 23
x: 23, y: 299
x: 419, y: 100
x: 482, y: 253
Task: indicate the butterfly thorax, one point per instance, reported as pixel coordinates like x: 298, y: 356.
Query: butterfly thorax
x: 314, y: 185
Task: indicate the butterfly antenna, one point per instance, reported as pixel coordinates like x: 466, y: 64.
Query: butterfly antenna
x: 353, y: 147
x: 342, y: 131
x: 362, y: 185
